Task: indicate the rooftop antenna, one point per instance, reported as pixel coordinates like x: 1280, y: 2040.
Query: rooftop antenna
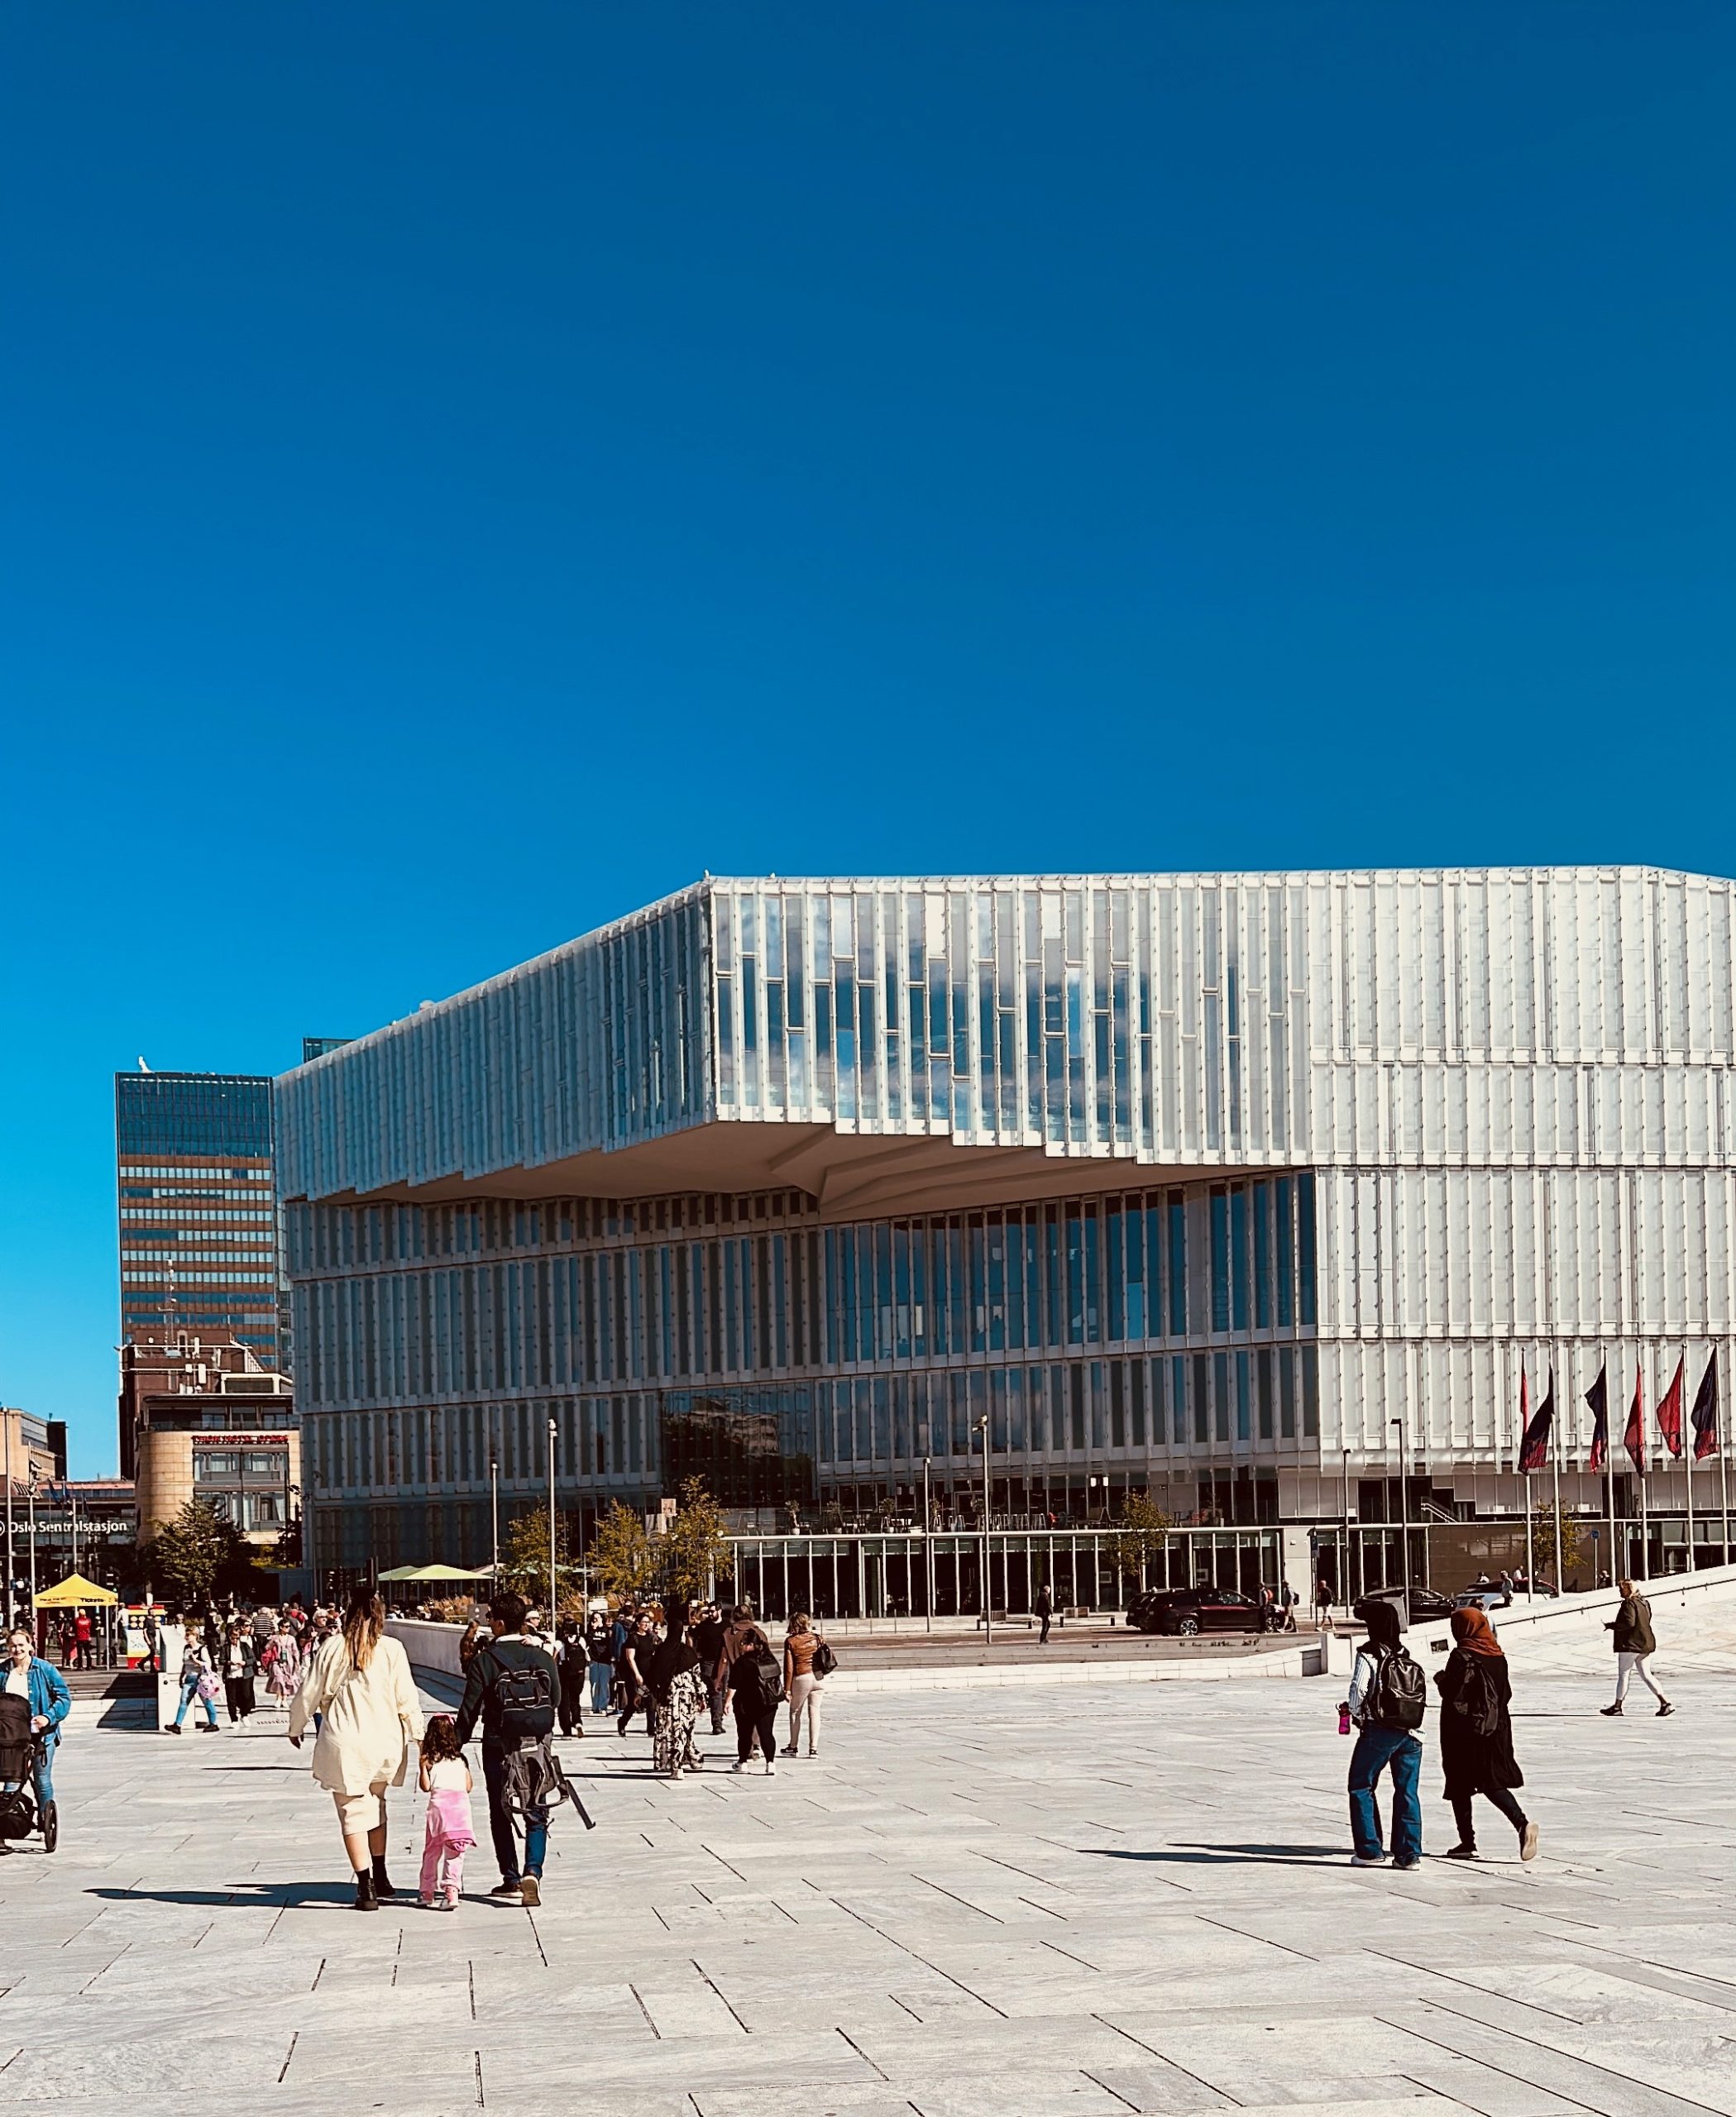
x: 143, y: 1068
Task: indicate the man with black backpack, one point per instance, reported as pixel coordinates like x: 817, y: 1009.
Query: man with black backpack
x: 1386, y: 1702
x: 512, y: 1686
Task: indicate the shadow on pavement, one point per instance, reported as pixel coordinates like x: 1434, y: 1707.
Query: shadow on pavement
x: 247, y: 1896
x: 1224, y: 1855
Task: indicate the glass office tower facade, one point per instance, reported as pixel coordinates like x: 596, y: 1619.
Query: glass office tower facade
x: 1243, y: 1190
x: 197, y: 1202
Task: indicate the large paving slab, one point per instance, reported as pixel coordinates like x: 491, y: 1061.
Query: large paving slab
x: 1092, y: 1900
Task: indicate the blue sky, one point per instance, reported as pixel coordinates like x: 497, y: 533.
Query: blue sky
x: 469, y: 471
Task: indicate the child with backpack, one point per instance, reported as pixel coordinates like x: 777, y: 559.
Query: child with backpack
x: 445, y: 1778
x: 1476, y: 1732
x: 1386, y: 1702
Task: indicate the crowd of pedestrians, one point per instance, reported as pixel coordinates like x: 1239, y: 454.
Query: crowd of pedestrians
x: 223, y: 1653
x: 677, y: 1663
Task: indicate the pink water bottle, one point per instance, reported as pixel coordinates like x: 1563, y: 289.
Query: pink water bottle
x: 1344, y: 1719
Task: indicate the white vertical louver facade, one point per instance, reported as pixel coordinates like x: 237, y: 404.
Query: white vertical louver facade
x: 1513, y: 1089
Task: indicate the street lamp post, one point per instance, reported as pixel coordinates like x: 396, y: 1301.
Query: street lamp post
x: 1403, y: 1522
x: 989, y: 1619
x: 7, y: 1416
x: 552, y: 1588
x: 29, y: 1500
x: 927, y: 1553
x: 494, y: 1502
x: 1343, y: 1584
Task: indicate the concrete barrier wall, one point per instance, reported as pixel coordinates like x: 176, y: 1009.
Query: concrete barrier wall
x: 428, y: 1646
x: 435, y: 1646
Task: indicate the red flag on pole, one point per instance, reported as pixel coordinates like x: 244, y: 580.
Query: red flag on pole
x: 1634, y: 1439
x: 1669, y: 1412
x: 1704, y: 1417
x: 1597, y: 1397
x: 1534, y: 1448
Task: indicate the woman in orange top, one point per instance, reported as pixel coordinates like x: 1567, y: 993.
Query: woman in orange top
x: 801, y: 1685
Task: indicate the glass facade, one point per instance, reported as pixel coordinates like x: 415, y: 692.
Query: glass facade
x: 793, y: 1363
x: 197, y: 1209
x: 1184, y: 1183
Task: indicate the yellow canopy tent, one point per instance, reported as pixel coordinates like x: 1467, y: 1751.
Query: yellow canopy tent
x: 69, y: 1593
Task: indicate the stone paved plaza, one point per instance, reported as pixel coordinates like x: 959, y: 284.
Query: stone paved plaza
x: 1080, y: 1900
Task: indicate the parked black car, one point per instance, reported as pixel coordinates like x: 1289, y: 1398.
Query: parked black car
x: 1184, y: 1612
x: 1426, y: 1605
x: 1142, y: 1611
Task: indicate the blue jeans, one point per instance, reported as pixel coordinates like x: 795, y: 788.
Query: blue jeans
x: 602, y: 1677
x: 1376, y: 1748
x: 189, y: 1691
x: 42, y: 1773
x: 500, y: 1822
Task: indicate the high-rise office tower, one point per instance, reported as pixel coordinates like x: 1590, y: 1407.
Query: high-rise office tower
x: 198, y: 1210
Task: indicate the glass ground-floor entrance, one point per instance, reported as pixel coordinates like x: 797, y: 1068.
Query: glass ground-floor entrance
x: 913, y: 1575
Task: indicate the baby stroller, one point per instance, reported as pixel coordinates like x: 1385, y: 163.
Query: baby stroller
x: 19, y: 1748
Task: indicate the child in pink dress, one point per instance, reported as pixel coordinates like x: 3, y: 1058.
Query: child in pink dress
x: 446, y: 1779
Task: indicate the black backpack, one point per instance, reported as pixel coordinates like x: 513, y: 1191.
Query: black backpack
x: 761, y: 1667
x: 1477, y: 1699
x: 1396, y: 1697
x: 524, y: 1693
x: 824, y: 1659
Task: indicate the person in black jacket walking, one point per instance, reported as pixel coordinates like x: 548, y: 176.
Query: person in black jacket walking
x: 707, y: 1635
x: 754, y: 1679
x: 575, y: 1676
x: 1632, y: 1638
x: 1476, y: 1733
x: 508, y: 1650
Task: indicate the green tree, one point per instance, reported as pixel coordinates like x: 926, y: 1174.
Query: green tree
x: 1543, y: 1543
x: 523, y: 1555
x: 694, y: 1549
x: 1141, y: 1533
x: 621, y: 1553
x: 198, y: 1556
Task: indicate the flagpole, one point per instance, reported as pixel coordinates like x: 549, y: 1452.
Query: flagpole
x: 1687, y: 1459
x: 1615, y: 1569
x: 1554, y: 1467
x: 1519, y: 1464
x: 1724, y: 1475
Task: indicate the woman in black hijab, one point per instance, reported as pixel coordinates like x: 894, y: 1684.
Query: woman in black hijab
x: 1476, y: 1733
x: 677, y: 1691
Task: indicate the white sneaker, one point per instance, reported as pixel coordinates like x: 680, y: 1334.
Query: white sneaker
x: 1357, y: 1861
x: 771, y: 1769
x: 742, y: 1767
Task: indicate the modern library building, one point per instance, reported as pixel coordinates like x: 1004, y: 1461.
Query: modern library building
x: 861, y: 1200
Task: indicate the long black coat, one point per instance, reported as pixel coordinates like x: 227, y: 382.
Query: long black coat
x: 1474, y: 1763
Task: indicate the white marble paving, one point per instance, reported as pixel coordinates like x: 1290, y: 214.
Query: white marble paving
x: 1092, y: 1900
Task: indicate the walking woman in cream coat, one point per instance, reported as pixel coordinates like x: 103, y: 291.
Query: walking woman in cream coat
x: 360, y: 1682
